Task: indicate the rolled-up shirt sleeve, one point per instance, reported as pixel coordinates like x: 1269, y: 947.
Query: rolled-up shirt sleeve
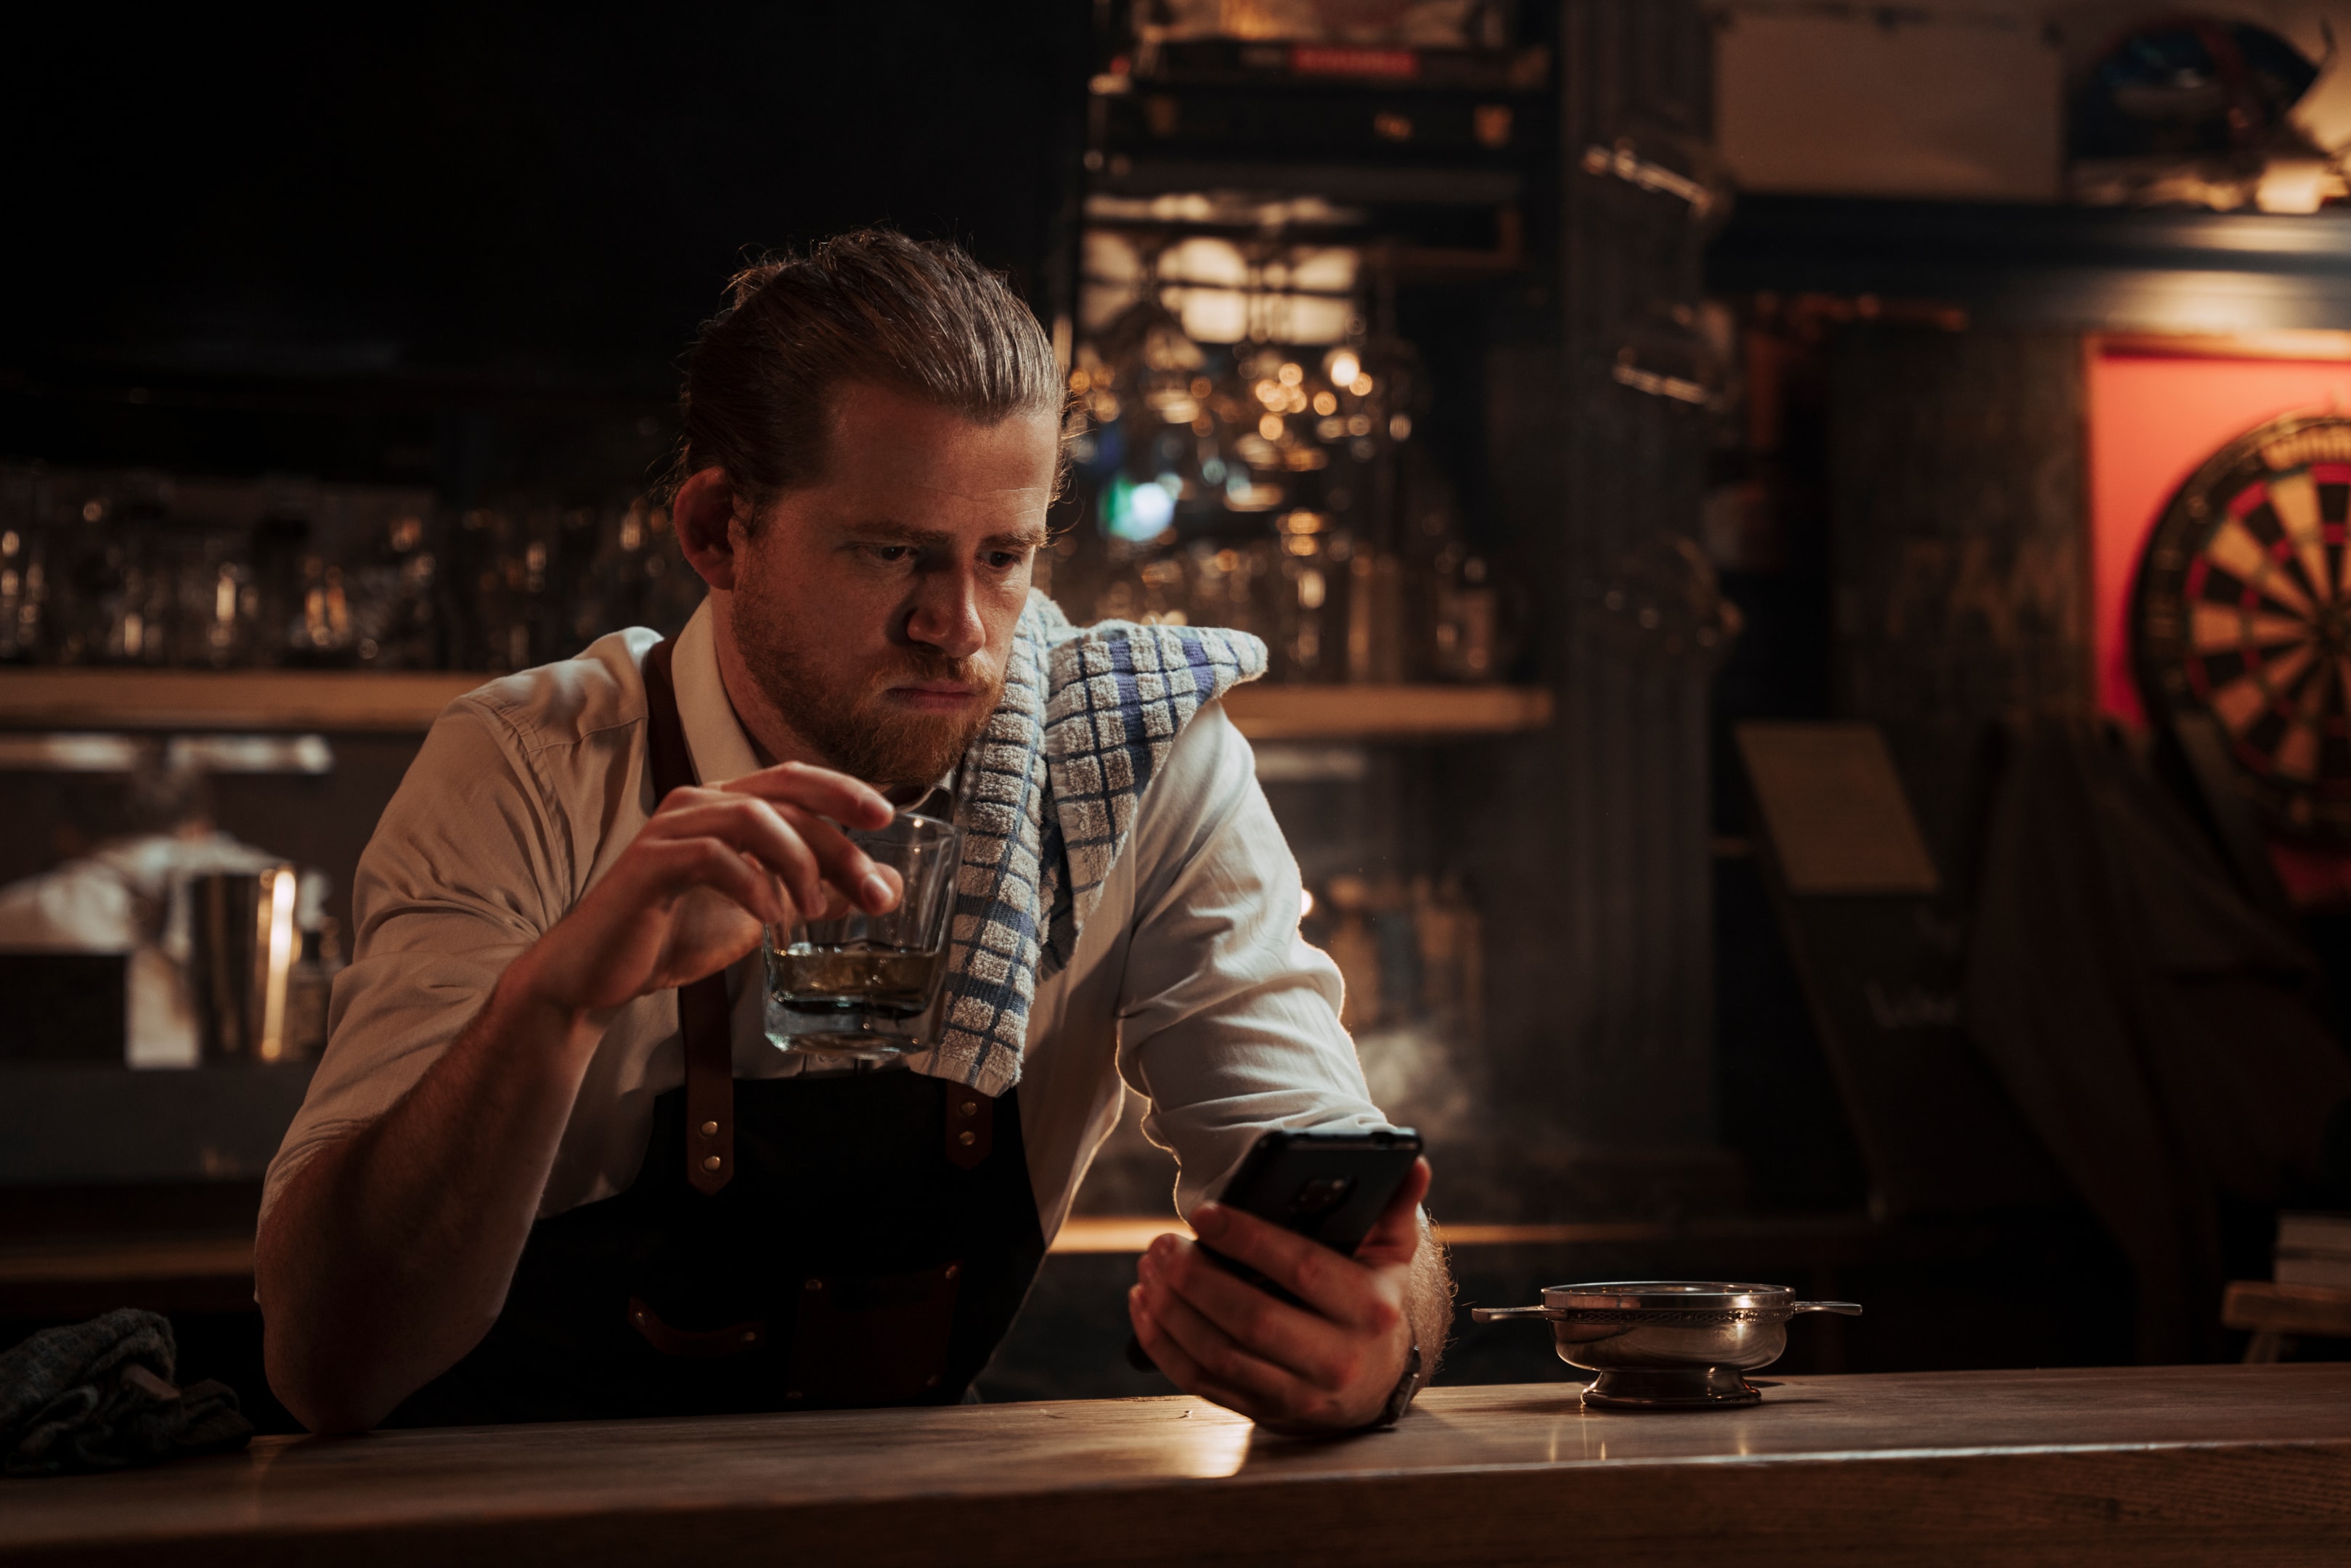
x: 452, y: 888
x: 1228, y: 1019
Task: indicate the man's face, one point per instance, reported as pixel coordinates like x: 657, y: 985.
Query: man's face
x: 874, y: 608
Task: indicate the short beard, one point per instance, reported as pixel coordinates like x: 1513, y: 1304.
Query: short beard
x: 862, y: 733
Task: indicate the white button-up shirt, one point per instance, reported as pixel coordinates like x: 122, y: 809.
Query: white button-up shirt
x: 1190, y: 984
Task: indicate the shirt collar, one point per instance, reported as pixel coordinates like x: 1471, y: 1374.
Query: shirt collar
x: 722, y: 752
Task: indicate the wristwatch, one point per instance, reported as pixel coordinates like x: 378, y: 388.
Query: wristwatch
x: 1400, y: 1398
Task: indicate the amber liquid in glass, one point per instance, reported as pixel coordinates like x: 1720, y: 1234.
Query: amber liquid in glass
x: 865, y: 977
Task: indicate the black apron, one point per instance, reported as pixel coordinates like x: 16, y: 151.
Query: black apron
x: 833, y: 1240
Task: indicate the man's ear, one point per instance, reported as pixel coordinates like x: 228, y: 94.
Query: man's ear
x: 703, y: 514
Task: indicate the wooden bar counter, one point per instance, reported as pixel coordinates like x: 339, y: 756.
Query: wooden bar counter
x: 2242, y: 1465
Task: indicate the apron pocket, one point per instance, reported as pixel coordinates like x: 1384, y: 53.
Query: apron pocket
x: 873, y: 1338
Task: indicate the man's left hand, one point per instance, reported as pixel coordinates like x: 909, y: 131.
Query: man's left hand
x: 1328, y: 1365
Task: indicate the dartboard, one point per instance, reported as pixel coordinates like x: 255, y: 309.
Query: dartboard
x: 2244, y: 611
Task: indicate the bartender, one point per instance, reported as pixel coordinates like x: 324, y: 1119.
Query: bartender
x: 551, y: 1166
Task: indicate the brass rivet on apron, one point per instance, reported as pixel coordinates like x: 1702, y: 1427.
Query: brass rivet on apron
x: 712, y: 1163
x: 966, y: 1139
x: 952, y: 1271
x: 932, y: 1381
x: 710, y: 1129
x: 814, y: 1285
x: 750, y: 1336
x: 969, y: 1107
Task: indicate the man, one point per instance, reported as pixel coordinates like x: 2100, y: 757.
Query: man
x: 527, y: 1184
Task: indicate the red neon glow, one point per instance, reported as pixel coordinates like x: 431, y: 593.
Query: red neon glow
x: 2153, y: 421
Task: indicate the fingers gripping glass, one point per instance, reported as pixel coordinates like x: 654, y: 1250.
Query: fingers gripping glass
x: 865, y: 984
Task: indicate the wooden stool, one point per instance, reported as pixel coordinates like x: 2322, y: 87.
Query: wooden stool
x: 2272, y: 1311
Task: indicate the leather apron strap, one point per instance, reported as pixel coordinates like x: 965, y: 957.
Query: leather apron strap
x: 702, y: 1008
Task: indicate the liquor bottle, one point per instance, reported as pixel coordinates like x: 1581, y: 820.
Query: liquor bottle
x: 308, y: 990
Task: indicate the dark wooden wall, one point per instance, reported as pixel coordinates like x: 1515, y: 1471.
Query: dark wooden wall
x: 1956, y: 468
x: 1957, y: 494
x: 1591, y: 841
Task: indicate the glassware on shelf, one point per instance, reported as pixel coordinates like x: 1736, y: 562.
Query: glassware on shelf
x: 23, y: 592
x: 1310, y: 611
x: 612, y: 586
x: 73, y: 545
x: 148, y: 570
x: 1149, y: 589
x: 1224, y: 582
x: 218, y: 605
x: 1155, y: 437
x: 319, y: 630
x: 634, y: 575
x: 1378, y: 646
x: 1287, y: 483
x: 511, y: 557
x: 392, y: 592
x: 279, y: 550
x: 136, y: 597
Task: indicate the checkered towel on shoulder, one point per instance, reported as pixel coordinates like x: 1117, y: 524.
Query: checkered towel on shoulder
x: 1046, y: 798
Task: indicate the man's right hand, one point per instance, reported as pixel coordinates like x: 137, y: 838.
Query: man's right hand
x: 688, y: 896
x: 388, y: 1256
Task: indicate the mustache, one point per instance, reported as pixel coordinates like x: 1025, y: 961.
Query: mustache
x: 917, y: 666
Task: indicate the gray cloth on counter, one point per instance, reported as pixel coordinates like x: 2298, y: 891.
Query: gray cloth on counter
x: 99, y: 1397
x: 2165, y: 1037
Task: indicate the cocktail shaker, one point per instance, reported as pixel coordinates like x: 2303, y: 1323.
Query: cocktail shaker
x: 242, y: 946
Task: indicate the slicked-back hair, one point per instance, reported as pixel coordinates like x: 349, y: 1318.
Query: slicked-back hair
x: 923, y: 318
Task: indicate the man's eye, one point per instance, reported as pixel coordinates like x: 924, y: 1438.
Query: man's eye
x: 1004, y: 559
x: 891, y: 552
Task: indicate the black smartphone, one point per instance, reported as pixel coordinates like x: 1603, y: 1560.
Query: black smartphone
x: 1327, y: 1184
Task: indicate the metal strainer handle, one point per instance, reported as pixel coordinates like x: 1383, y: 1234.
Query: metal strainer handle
x: 1494, y: 1314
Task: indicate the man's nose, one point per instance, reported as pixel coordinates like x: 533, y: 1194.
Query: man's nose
x: 945, y: 615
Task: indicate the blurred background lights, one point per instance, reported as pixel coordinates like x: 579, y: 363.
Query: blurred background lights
x: 1139, y: 512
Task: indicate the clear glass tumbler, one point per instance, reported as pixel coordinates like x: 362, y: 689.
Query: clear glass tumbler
x: 863, y: 986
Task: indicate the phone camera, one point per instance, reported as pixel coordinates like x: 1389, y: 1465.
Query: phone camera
x: 1320, y: 1196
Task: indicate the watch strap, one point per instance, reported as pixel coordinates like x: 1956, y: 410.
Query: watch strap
x: 1400, y: 1398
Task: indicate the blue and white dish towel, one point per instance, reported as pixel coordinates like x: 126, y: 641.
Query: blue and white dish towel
x: 1047, y: 796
